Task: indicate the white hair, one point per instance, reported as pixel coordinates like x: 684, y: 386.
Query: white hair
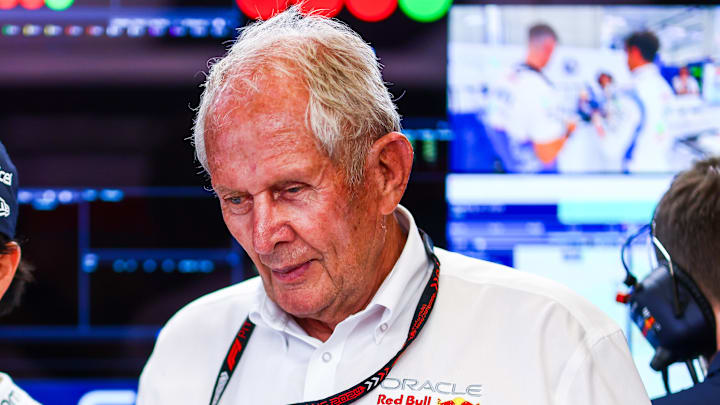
x: 349, y: 106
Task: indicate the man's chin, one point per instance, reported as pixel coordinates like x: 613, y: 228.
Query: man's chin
x: 300, y: 306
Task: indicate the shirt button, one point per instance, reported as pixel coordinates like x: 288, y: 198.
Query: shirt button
x: 383, y: 327
x: 326, y: 357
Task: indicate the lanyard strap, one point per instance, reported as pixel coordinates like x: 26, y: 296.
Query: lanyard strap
x: 422, y: 311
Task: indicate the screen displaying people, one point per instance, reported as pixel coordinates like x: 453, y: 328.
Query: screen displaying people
x: 615, y: 92
x: 684, y: 83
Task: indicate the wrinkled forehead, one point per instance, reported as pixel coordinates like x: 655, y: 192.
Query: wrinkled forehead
x: 266, y: 118
x: 256, y: 91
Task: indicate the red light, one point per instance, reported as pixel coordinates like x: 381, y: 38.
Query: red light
x: 622, y: 298
x: 32, y: 4
x: 327, y: 8
x: 371, y: 10
x: 262, y: 9
x: 8, y: 4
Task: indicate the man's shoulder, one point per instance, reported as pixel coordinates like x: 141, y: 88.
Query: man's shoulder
x: 514, y: 287
x: 223, y: 304
x: 191, y: 345
x: 12, y: 394
x: 525, y: 77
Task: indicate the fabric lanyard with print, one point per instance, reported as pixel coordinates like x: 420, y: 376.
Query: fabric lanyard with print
x: 425, y: 305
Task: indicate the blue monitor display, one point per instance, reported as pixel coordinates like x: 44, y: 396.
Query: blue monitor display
x: 111, y: 267
x: 60, y: 42
x: 573, y: 99
x: 569, y: 229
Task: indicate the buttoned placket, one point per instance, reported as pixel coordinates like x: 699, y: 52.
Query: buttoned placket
x: 323, y: 366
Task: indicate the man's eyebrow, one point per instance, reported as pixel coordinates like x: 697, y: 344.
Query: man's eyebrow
x: 222, y: 189
x: 284, y: 183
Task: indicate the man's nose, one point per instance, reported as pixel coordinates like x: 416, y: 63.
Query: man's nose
x: 270, y: 225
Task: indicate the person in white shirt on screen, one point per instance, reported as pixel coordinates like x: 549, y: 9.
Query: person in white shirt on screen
x: 301, y: 141
x: 685, y: 84
x: 650, y: 149
x: 528, y: 112
x: 14, y: 273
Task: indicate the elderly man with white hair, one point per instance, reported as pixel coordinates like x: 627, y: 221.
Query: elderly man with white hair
x: 301, y: 140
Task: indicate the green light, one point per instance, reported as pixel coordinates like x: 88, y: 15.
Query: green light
x: 59, y: 5
x: 425, y: 10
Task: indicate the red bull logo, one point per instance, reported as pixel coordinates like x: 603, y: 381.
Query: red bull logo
x: 456, y: 401
x: 403, y: 400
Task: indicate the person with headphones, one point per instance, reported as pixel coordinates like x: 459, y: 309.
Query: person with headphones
x: 14, y: 274
x: 687, y: 223
x: 677, y: 306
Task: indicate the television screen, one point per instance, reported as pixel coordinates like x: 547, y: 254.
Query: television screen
x: 569, y: 229
x: 570, y: 89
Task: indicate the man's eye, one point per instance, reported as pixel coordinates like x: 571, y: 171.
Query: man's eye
x: 235, y: 200
x: 293, y: 190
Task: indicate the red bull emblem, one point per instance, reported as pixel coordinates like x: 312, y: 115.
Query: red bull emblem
x: 456, y: 401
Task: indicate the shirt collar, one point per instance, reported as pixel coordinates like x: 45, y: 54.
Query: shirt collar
x: 399, y: 290
x: 395, y: 293
x: 645, y: 69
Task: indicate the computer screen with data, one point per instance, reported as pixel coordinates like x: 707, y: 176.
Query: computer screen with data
x: 569, y: 229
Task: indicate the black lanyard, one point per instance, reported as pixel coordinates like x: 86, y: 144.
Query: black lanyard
x: 425, y: 305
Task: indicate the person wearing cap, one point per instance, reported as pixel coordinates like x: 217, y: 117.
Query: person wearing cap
x: 301, y: 140
x: 14, y: 273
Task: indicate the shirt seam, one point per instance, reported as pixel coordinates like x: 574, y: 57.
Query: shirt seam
x: 585, y: 323
x: 570, y: 371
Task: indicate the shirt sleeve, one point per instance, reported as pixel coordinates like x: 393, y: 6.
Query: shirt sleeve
x: 602, y: 374
x: 147, y: 389
x: 12, y: 394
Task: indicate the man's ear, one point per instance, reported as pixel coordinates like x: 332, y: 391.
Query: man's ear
x: 8, y: 265
x: 391, y: 159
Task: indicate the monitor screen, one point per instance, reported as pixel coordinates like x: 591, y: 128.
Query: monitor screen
x: 566, y: 228
x: 111, y: 267
x: 570, y: 89
x: 56, y: 42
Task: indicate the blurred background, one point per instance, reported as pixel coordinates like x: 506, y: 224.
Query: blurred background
x: 96, y: 101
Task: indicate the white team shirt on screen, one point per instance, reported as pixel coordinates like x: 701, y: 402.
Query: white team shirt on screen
x: 653, y: 148
x: 533, y: 111
x: 495, y: 337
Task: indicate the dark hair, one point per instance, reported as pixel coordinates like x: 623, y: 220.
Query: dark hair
x: 687, y: 222
x: 23, y: 275
x: 646, y: 42
x: 541, y: 30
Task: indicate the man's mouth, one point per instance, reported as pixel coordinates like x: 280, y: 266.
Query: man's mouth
x: 290, y: 273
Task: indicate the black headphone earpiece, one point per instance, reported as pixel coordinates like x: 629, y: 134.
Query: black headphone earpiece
x: 677, y: 334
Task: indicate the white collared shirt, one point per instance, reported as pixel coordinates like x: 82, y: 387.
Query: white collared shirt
x: 11, y: 394
x: 653, y: 147
x: 496, y: 336
x: 526, y: 108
